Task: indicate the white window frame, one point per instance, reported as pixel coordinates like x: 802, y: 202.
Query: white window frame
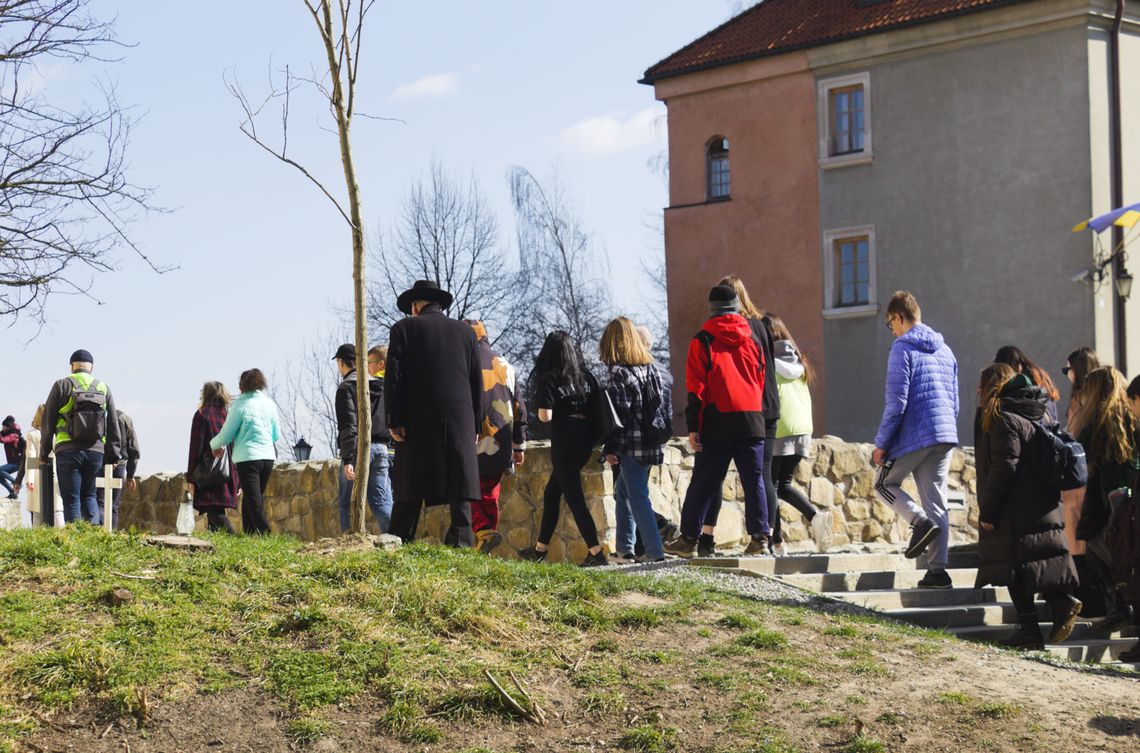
x: 823, y: 115
x: 830, y: 310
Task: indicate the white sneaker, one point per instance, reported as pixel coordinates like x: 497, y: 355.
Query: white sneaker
x: 821, y: 530
x: 780, y: 550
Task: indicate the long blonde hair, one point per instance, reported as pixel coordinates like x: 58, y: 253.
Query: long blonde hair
x: 748, y: 309
x: 994, y: 379
x: 1105, y: 415
x: 621, y: 344
x: 214, y: 393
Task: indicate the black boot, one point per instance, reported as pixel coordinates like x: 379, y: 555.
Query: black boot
x: 1027, y: 637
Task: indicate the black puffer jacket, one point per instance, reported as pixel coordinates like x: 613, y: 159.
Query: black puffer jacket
x: 1029, y: 537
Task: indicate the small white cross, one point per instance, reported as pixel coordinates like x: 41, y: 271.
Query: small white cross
x: 108, y: 483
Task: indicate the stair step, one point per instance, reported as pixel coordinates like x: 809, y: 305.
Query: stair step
x: 810, y: 563
x: 896, y: 599
x: 1082, y: 631
x: 832, y: 583
x: 1001, y: 613
x: 1092, y: 650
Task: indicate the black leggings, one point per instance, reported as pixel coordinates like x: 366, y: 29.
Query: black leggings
x: 571, y: 445
x: 1022, y: 597
x: 783, y: 470
x: 254, y: 477
x: 216, y: 520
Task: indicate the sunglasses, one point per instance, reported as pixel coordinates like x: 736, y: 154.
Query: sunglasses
x: 1066, y: 369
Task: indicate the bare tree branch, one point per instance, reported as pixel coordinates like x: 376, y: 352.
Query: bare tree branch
x: 65, y: 200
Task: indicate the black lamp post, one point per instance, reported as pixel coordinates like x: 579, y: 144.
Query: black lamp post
x: 302, y: 450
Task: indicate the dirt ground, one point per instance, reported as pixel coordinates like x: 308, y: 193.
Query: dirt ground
x: 834, y: 686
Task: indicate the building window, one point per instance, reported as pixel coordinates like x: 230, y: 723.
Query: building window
x: 853, y: 270
x: 845, y: 120
x: 849, y: 272
x: 716, y: 157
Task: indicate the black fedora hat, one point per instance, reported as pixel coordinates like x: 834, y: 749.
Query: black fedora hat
x: 423, y: 290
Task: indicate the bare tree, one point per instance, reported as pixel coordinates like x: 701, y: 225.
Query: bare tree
x: 447, y: 232
x: 558, y: 255
x: 305, y: 395
x: 341, y: 35
x: 65, y: 200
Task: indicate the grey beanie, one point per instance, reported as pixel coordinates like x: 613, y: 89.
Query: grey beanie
x: 723, y: 300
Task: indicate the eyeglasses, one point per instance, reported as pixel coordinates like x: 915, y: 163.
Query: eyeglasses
x: 890, y: 323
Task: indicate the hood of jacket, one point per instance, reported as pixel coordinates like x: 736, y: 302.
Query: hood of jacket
x: 732, y: 329
x: 923, y: 338
x: 1022, y: 397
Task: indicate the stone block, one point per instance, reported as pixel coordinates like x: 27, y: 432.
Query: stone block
x: 803, y: 474
x: 872, y: 531
x: 854, y: 531
x: 847, y: 461
x: 881, y: 511
x: 957, y: 461
x: 969, y: 473
x: 795, y: 532
x: 519, y: 538
x: 822, y: 461
x: 863, y: 484
x: 857, y: 510
x: 576, y: 551
x: 821, y: 492
x: 728, y: 488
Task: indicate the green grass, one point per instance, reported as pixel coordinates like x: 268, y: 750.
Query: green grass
x: 862, y: 744
x: 650, y: 738
x: 738, y: 621
x: 832, y: 720
x: 306, y: 730
x: 602, y: 703
x: 763, y: 638
x: 955, y: 698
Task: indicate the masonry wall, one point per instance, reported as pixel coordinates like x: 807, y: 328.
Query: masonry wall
x: 838, y: 478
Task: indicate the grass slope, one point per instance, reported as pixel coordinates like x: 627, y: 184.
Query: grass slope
x: 386, y: 651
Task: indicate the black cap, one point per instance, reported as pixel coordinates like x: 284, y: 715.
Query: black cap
x: 82, y: 356
x: 346, y: 353
x: 9, y: 420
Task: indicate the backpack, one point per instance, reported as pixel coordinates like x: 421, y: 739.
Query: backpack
x: 656, y: 421
x: 1062, y: 458
x: 87, y: 420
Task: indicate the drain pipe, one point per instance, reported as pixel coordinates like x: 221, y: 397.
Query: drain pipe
x: 1118, y: 308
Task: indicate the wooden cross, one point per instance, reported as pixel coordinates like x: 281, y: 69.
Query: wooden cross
x: 108, y: 483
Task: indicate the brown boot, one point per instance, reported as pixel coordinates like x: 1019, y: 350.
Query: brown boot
x: 487, y: 540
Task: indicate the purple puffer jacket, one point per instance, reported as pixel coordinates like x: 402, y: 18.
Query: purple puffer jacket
x: 922, y: 394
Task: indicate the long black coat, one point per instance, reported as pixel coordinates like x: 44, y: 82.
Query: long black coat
x: 1029, y: 536
x: 433, y: 390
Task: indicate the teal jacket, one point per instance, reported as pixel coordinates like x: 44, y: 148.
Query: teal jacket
x: 252, y: 427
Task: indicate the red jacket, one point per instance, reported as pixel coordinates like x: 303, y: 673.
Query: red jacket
x: 724, y: 375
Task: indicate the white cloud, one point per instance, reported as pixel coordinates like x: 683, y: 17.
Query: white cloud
x: 607, y: 134
x: 436, y: 85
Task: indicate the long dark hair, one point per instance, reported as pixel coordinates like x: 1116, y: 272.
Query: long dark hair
x: 1013, y: 356
x: 1082, y: 361
x: 560, y: 356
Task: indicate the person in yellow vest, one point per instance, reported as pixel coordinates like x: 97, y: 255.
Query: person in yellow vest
x: 76, y: 428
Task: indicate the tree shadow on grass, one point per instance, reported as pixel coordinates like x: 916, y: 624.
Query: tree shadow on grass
x: 1116, y: 726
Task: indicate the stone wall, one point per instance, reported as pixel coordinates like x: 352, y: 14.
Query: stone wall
x: 838, y: 479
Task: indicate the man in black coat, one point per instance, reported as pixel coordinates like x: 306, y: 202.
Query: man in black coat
x: 433, y: 388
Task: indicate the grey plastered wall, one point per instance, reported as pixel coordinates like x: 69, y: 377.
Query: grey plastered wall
x: 981, y: 168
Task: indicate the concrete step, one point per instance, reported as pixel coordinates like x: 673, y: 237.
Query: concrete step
x: 1082, y: 631
x: 1001, y: 613
x: 1093, y: 650
x: 831, y: 583
x: 810, y: 563
x: 895, y: 599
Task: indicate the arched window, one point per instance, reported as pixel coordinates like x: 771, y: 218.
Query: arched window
x: 716, y: 157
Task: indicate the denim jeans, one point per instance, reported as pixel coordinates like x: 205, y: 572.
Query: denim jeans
x: 633, y: 487
x: 6, y: 477
x: 379, y: 490
x: 77, y: 471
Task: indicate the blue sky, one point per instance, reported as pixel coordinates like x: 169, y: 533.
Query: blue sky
x: 262, y: 257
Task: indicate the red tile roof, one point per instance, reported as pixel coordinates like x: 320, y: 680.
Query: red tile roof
x: 777, y: 26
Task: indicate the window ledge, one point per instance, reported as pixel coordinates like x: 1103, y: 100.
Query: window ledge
x: 707, y: 202
x: 850, y: 312
x: 846, y: 160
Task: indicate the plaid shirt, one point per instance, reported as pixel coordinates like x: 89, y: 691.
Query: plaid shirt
x: 627, y: 385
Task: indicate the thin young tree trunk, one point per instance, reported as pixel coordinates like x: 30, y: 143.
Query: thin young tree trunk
x: 343, y: 114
